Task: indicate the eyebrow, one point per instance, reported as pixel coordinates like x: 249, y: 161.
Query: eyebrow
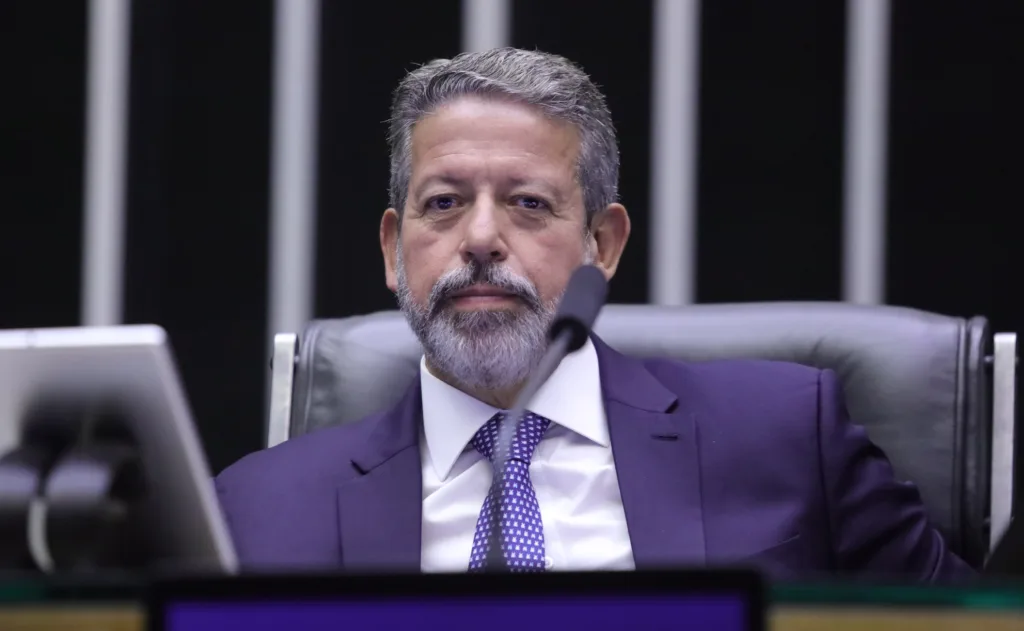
x: 537, y: 183
x: 449, y: 180
x: 511, y: 182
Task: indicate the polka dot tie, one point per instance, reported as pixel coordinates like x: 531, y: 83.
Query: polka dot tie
x: 522, y: 532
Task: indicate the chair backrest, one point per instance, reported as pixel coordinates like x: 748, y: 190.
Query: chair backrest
x: 920, y: 383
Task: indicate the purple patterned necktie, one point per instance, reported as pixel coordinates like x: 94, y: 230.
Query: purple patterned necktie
x: 522, y: 532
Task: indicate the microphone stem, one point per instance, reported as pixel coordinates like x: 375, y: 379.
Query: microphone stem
x: 556, y: 352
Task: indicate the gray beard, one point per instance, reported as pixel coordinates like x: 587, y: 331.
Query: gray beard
x: 485, y: 349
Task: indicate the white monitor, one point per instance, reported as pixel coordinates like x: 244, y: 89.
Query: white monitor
x: 133, y: 367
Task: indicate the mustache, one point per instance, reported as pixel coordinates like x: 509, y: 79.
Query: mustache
x: 474, y: 273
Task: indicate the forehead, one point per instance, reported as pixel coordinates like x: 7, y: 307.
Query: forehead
x: 471, y: 135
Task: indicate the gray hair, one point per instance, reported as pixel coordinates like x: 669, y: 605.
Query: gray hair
x: 552, y: 84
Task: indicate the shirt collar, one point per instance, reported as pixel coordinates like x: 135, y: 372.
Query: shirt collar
x: 570, y: 398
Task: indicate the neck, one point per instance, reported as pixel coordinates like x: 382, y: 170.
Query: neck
x: 502, y: 398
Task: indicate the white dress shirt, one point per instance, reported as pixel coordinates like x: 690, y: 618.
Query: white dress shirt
x: 572, y: 470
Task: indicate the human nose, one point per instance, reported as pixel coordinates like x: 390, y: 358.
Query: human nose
x: 483, y: 240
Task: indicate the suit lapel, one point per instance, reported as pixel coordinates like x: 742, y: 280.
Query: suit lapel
x: 380, y: 511
x: 654, y: 442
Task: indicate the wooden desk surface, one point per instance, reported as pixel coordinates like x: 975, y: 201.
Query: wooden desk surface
x: 867, y: 619
x: 131, y: 618
x: 70, y: 617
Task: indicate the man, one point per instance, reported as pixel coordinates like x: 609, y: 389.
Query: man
x: 504, y: 168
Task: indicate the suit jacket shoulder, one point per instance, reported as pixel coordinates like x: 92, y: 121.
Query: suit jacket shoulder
x: 280, y: 503
x: 739, y: 399
x: 324, y: 454
x: 762, y: 377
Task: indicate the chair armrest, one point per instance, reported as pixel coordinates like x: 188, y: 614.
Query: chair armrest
x: 1004, y: 367
x: 282, y: 379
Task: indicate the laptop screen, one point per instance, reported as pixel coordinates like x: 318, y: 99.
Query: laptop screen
x: 492, y: 603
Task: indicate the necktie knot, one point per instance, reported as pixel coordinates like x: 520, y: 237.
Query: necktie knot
x: 528, y: 435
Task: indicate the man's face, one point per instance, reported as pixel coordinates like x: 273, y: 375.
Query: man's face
x: 492, y: 229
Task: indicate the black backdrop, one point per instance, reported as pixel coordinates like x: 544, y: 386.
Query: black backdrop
x: 770, y: 186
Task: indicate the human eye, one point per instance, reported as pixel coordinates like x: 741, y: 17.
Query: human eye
x: 442, y: 203
x: 530, y: 202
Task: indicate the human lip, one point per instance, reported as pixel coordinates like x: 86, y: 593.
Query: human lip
x: 483, y: 297
x: 483, y: 291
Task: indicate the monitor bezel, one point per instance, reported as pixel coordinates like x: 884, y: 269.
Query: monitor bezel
x: 747, y: 584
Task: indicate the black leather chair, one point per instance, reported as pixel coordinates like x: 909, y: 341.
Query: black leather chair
x: 936, y: 393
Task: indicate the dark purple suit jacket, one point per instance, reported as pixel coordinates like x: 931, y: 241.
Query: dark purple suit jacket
x: 729, y: 462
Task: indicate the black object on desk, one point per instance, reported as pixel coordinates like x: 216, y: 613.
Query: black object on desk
x: 1007, y: 560
x: 718, y: 600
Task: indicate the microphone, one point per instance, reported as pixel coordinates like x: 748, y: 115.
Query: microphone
x: 582, y: 301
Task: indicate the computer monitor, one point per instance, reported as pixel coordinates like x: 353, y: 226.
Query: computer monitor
x: 129, y: 369
x: 729, y: 600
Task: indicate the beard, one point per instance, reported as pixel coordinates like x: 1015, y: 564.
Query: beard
x: 486, y: 349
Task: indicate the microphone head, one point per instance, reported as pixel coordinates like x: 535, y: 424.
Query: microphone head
x: 582, y: 301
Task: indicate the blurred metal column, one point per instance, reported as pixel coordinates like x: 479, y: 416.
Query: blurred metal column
x: 864, y: 185
x: 486, y: 24
x: 293, y: 170
x: 293, y: 165
x: 676, y: 85
x: 105, y: 163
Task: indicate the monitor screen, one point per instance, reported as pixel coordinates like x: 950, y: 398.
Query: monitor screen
x: 721, y: 613
x: 493, y: 603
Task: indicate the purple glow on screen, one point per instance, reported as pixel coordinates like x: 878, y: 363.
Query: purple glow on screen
x: 722, y: 613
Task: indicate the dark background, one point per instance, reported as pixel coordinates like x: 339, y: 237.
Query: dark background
x: 770, y: 178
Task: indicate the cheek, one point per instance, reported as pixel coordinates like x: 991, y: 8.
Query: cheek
x: 551, y: 268
x: 424, y: 264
